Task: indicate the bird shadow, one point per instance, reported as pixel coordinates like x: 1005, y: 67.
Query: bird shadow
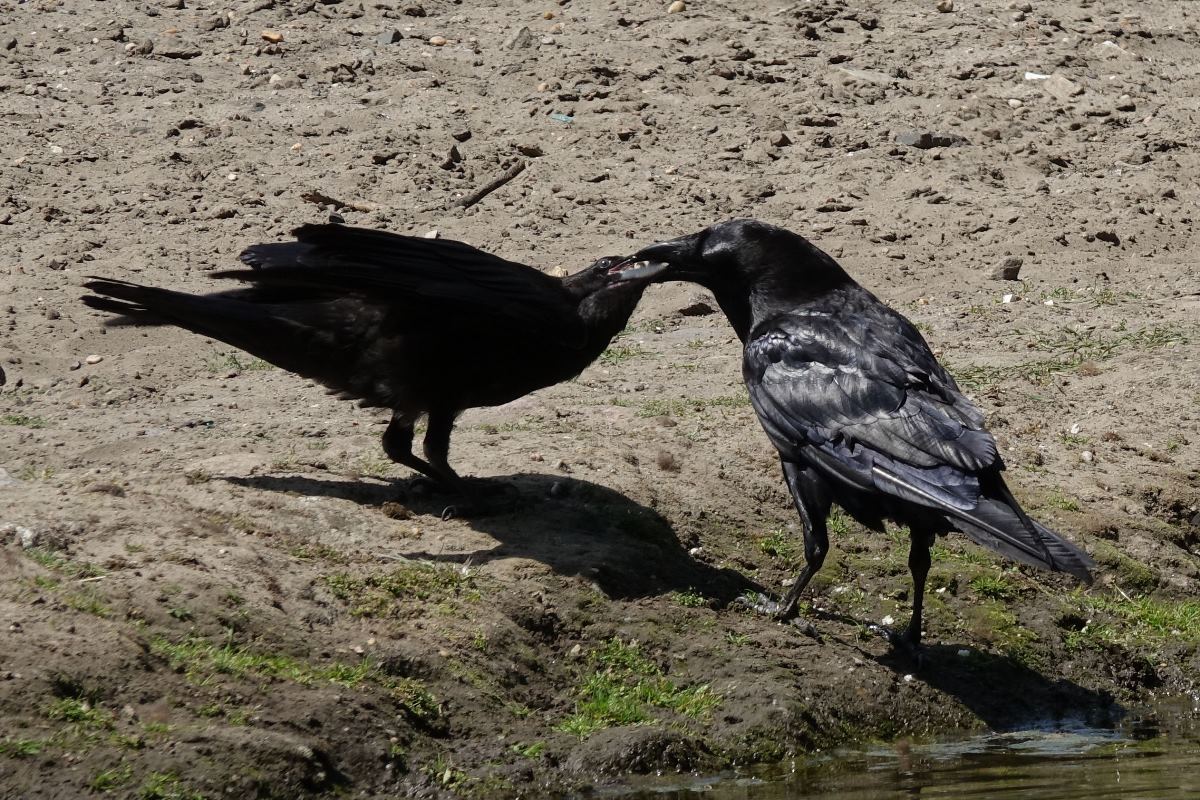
x: 572, y: 526
x: 1002, y: 691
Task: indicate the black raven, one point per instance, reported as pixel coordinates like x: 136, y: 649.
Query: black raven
x: 425, y: 327
x: 861, y: 412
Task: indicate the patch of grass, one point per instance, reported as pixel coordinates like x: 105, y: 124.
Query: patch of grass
x: 89, y: 602
x: 1138, y: 621
x: 995, y: 624
x: 1070, y: 349
x: 202, y: 660
x: 317, y: 551
x: 20, y: 748
x: 80, y: 711
x: 625, y: 687
x: 22, y: 420
x: 443, y: 771
x: 226, y: 362
x: 1131, y: 573
x: 689, y: 599
x: 782, y: 545
x: 995, y: 587
x: 662, y: 407
x: 620, y: 353
x: 54, y: 560
x: 737, y: 639
x: 533, y: 750
x: 166, y: 786
x: 34, y: 473
x: 372, y: 467
x: 376, y: 595
x: 113, y: 778
x: 1062, y: 501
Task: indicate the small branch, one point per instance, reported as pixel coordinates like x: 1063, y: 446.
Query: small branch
x: 322, y: 199
x: 92, y: 579
x: 482, y: 192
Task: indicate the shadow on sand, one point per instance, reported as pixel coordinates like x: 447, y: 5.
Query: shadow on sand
x: 572, y: 526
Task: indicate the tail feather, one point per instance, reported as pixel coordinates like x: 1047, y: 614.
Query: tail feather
x: 246, y: 326
x: 999, y: 526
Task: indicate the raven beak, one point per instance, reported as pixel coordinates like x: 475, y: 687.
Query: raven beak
x: 635, y: 268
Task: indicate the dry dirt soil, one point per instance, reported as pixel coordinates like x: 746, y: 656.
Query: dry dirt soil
x: 213, y: 582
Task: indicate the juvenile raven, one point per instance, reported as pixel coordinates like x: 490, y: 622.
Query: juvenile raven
x: 859, y: 409
x: 425, y: 327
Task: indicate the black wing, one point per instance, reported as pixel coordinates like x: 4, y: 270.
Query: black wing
x: 401, y: 270
x: 860, y: 397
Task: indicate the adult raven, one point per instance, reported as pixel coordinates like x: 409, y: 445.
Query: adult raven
x: 861, y: 412
x: 425, y: 327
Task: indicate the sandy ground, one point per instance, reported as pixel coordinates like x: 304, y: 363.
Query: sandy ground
x: 214, y: 584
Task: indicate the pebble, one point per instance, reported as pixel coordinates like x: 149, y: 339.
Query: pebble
x: 1086, y: 456
x: 437, y: 41
x: 945, y: 6
x: 1009, y: 269
x: 909, y: 678
x: 1061, y: 88
x: 677, y: 7
x: 927, y: 140
x: 388, y: 37
x: 547, y: 15
x: 94, y: 359
x: 1014, y: 103
x: 274, y: 37
x: 74, y: 366
x: 25, y: 537
x: 523, y: 38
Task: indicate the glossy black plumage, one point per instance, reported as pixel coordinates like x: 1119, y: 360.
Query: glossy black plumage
x: 856, y: 404
x: 420, y: 326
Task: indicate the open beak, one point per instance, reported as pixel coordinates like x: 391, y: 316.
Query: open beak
x: 635, y: 268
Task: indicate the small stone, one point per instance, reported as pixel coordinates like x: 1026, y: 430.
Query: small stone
x: 780, y: 140
x: 536, y: 457
x: 677, y: 7
x: 666, y: 461
x: 547, y: 15
x: 170, y: 47
x: 945, y: 6
x: 25, y: 537
x: 1086, y: 456
x: 388, y: 37
x: 1014, y: 103
x: 575, y: 652
x: 57, y: 263
x: 437, y: 41
x: 414, y: 11
x: 1109, y: 236
x: 530, y: 150
x: 1009, y: 269
x: 522, y: 39
x: 1125, y: 103
x: 11, y: 44
x: 433, y: 234
x: 94, y: 359
x: 461, y: 136
x: 927, y: 140
x: 1061, y: 88
x: 274, y: 37
x: 74, y: 366
x: 909, y: 678
x: 887, y: 620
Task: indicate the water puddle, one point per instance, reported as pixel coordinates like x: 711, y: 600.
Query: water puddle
x: 1153, y: 754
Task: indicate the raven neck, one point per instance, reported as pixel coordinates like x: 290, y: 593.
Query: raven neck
x: 606, y: 313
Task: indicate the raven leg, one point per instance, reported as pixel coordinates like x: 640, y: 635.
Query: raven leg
x: 397, y: 443
x: 437, y: 450
x: 812, y: 499
x: 812, y: 502
x: 918, y: 565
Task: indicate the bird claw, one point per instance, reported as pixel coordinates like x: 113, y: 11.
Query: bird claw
x: 762, y: 604
x: 903, y: 644
x: 759, y: 603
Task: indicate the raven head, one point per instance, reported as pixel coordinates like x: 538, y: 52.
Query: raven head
x: 729, y: 256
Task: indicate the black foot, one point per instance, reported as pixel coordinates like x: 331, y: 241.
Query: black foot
x: 761, y: 604
x: 906, y: 645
